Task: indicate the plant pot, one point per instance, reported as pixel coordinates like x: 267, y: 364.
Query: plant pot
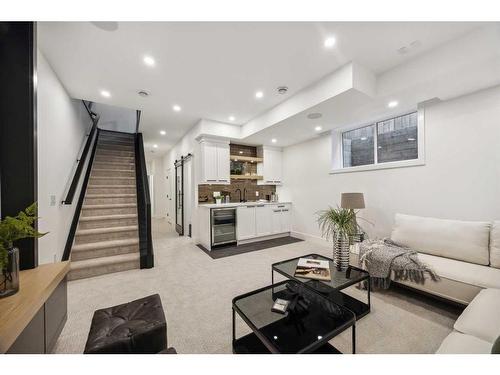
x: 9, y: 277
x: 341, y: 246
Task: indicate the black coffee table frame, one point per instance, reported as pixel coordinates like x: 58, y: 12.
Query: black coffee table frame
x: 261, y: 344
x: 359, y: 308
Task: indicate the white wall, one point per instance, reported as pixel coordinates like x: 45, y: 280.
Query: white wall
x: 461, y: 178
x: 116, y: 118
x: 62, y: 125
x: 159, y: 188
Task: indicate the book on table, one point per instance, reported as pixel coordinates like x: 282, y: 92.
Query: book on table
x: 313, y: 269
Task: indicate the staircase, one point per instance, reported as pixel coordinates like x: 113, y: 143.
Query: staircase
x: 107, y: 237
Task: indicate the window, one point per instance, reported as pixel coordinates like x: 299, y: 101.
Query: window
x: 388, y: 143
x: 357, y: 146
x: 397, y: 139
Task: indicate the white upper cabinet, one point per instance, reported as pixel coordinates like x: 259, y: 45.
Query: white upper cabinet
x: 271, y: 169
x: 215, y: 161
x: 223, y: 163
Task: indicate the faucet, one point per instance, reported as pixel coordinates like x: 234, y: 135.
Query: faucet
x: 244, y: 194
x: 238, y: 190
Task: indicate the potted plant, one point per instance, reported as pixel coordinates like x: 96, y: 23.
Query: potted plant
x: 340, y: 225
x: 11, y: 230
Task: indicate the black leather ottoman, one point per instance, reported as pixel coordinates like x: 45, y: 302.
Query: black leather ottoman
x: 134, y: 327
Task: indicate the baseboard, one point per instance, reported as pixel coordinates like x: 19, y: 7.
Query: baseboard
x: 311, y: 238
x: 263, y: 238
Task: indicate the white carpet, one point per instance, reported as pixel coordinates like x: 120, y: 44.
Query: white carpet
x: 196, y: 293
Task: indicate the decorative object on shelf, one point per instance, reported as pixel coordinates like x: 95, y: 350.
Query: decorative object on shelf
x: 11, y: 230
x: 338, y: 223
x: 354, y: 201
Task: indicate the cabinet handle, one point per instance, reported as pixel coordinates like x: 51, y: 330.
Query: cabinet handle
x: 281, y: 206
x: 269, y: 181
x: 260, y: 205
x: 212, y: 180
x: 277, y: 210
x: 284, y: 210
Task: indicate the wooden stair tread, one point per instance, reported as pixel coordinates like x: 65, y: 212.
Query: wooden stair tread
x: 87, y: 232
x: 108, y: 205
x: 108, y: 217
x: 112, y: 178
x: 104, y: 261
x: 105, y: 244
x: 118, y: 195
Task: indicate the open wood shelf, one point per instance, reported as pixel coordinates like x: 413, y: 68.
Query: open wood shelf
x: 243, y: 177
x: 246, y: 158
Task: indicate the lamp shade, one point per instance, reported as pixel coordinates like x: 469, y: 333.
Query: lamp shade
x: 352, y: 201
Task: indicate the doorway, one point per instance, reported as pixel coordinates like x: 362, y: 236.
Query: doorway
x: 183, y: 183
x: 170, y: 208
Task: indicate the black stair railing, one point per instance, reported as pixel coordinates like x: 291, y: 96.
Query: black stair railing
x: 78, y: 209
x: 83, y: 157
x: 143, y: 205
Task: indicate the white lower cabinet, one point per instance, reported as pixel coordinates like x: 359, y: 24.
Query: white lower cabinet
x: 281, y: 218
x: 245, y: 222
x: 262, y: 220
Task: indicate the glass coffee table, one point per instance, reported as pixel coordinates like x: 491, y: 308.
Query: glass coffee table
x: 330, y: 289
x: 300, y: 330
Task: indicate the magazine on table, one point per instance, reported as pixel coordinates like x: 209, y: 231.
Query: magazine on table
x: 313, y: 269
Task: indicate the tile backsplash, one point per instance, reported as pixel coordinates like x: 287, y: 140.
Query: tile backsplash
x: 205, y: 192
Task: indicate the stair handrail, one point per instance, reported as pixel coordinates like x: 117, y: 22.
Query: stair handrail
x: 143, y: 205
x: 83, y: 157
x: 78, y: 209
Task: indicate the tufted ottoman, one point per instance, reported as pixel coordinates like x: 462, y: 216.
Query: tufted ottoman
x: 134, y: 327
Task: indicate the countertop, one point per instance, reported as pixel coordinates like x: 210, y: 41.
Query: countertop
x: 238, y: 204
x: 35, y: 286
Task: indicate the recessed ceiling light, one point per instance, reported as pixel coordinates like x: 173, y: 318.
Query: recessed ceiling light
x: 155, y: 146
x: 259, y: 94
x: 149, y: 61
x: 330, y: 42
x: 176, y: 108
x: 105, y: 93
x: 364, y: 138
x: 241, y: 152
x: 392, y: 104
x: 163, y: 132
x: 318, y: 128
x: 274, y: 140
x: 232, y: 118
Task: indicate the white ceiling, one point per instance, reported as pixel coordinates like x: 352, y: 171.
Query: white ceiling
x: 212, y: 70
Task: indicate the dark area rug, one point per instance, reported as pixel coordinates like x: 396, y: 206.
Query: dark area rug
x: 227, y: 251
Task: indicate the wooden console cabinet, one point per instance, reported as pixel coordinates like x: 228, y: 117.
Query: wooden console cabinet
x: 32, y: 319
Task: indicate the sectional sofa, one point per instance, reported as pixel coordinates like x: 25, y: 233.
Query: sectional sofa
x: 466, y: 256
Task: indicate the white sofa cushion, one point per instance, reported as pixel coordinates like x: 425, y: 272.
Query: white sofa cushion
x: 459, y: 343
x: 462, y: 240
x: 495, y: 245
x: 469, y: 273
x: 482, y: 317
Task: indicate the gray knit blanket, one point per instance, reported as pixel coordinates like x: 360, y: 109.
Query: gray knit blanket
x: 383, y: 257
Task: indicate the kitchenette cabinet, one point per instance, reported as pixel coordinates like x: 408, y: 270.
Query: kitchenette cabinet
x: 255, y: 221
x: 215, y: 161
x: 281, y: 219
x: 245, y: 223
x: 271, y: 167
